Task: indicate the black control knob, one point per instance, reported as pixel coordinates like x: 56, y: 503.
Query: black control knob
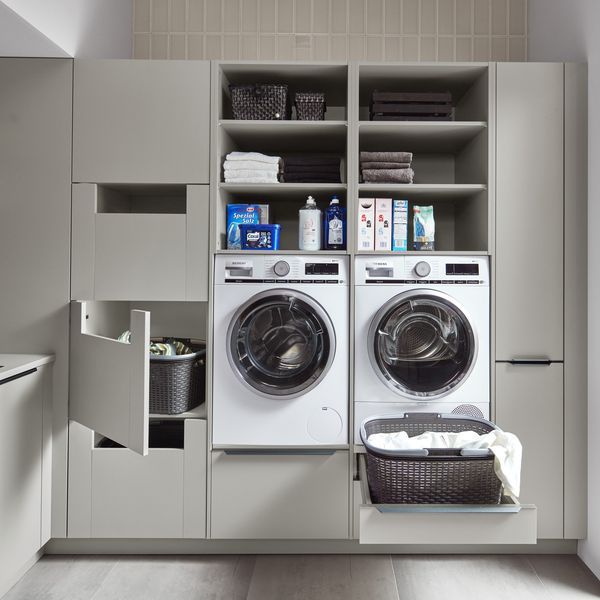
x: 281, y: 268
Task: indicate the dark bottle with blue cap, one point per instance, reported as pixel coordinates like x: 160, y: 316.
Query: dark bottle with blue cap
x: 334, y: 226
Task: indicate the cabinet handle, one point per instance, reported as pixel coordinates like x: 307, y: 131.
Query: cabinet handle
x: 274, y: 452
x: 531, y: 361
x: 18, y: 376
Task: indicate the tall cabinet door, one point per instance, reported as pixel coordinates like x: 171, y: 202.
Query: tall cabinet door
x: 137, y: 121
x: 531, y: 407
x: 529, y: 211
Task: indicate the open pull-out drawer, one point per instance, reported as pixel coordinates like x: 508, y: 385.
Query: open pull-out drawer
x: 506, y: 523
x: 116, y: 493
x: 270, y: 494
x: 109, y: 380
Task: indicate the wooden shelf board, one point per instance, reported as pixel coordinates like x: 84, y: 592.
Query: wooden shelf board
x: 199, y: 412
x: 412, y: 190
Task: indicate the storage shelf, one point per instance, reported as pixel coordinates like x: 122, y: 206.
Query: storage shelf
x: 449, y: 191
x: 198, y: 412
x: 283, y: 189
x: 296, y: 252
x: 282, y: 127
x: 427, y: 253
x: 417, y: 136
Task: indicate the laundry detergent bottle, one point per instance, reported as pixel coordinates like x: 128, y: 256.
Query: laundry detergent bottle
x: 309, y: 229
x: 334, y: 226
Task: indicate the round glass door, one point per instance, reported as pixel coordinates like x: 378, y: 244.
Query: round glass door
x: 281, y: 343
x: 422, y: 345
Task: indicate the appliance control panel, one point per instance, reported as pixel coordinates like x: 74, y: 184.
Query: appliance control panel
x: 281, y: 269
x: 420, y: 270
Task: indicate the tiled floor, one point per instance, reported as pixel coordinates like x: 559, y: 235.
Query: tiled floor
x: 307, y: 577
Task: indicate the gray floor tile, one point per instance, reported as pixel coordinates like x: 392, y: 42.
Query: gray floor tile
x: 467, y: 577
x: 63, y: 578
x: 175, y: 578
x: 565, y: 577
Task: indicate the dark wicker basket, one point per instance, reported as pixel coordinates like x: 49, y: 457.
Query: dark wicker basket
x: 177, y: 382
x: 444, y: 476
x: 310, y: 106
x: 259, y: 101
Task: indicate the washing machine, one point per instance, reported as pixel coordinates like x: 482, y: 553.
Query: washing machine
x: 422, y: 331
x: 281, y: 354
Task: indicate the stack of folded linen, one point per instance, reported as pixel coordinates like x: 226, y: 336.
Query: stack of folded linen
x: 311, y: 168
x: 251, y: 167
x: 386, y: 167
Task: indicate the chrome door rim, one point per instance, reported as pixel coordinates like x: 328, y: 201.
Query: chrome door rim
x: 389, y: 306
x: 321, y: 314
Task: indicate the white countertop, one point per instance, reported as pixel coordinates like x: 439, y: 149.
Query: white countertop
x: 13, y: 364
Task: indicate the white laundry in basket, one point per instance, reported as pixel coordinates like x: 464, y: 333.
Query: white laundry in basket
x: 505, y: 446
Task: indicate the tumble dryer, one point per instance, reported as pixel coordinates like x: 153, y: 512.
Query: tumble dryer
x: 422, y: 330
x: 280, y: 368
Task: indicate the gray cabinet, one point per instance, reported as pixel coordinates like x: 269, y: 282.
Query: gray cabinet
x: 141, y: 121
x: 530, y: 405
x: 25, y: 462
x: 529, y: 211
x: 280, y: 495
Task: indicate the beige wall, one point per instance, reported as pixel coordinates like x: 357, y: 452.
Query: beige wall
x: 410, y: 30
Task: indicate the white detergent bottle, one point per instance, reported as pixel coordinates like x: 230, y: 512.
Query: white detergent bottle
x: 309, y: 229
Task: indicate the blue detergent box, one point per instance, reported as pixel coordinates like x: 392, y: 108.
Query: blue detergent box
x: 240, y: 214
x: 260, y: 237
x: 399, y: 225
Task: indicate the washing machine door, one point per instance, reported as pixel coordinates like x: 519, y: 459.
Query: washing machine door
x: 281, y: 343
x: 422, y: 345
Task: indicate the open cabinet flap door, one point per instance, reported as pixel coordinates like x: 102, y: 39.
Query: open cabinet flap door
x: 109, y: 390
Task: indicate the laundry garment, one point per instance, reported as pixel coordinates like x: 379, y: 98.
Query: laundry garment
x: 311, y: 168
x: 251, y: 167
x: 505, y: 446
x: 385, y: 165
x: 170, y: 348
x: 311, y: 177
x: 388, y: 175
x: 241, y: 165
x: 311, y: 159
x: 244, y: 174
x: 255, y: 156
x: 395, y: 157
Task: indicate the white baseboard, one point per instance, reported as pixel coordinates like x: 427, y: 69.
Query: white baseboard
x: 13, y: 578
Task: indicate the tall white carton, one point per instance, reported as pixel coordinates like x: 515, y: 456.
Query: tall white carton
x: 366, y: 224
x: 400, y: 226
x: 383, y: 224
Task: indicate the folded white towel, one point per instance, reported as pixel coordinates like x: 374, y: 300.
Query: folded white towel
x: 506, y: 447
x: 245, y: 173
x: 257, y: 156
x: 240, y: 165
x: 251, y: 180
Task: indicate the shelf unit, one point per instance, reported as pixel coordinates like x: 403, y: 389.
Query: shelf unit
x: 452, y: 160
x: 331, y: 135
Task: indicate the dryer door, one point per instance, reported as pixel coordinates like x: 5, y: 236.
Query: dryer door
x: 281, y: 343
x: 422, y: 345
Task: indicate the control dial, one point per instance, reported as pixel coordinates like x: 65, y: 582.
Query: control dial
x: 281, y: 268
x: 422, y: 269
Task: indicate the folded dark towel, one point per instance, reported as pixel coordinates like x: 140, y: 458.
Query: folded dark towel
x: 397, y: 157
x: 312, y: 168
x: 384, y: 165
x: 311, y: 178
x: 311, y: 159
x: 388, y: 175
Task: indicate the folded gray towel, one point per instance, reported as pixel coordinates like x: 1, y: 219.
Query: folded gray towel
x: 396, y: 157
x: 384, y: 165
x: 388, y: 175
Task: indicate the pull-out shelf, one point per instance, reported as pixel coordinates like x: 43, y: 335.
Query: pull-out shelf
x: 505, y: 523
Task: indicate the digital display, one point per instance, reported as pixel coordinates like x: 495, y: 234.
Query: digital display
x: 458, y: 269
x: 322, y: 269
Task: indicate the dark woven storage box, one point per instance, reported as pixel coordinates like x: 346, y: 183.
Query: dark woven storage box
x: 177, y: 382
x: 442, y: 477
x: 310, y: 106
x: 260, y: 102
